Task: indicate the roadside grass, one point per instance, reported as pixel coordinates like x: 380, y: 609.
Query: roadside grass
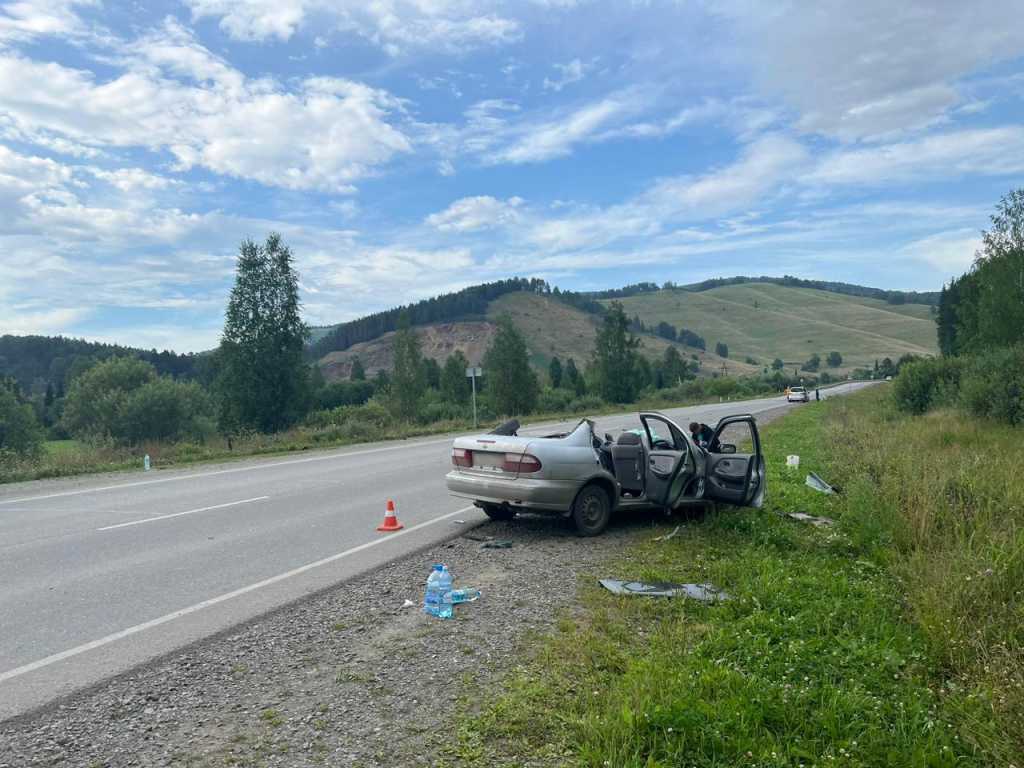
x: 939, y: 500
x: 828, y: 653
x: 60, y: 447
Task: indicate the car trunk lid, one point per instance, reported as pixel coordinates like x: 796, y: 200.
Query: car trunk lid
x: 490, y: 454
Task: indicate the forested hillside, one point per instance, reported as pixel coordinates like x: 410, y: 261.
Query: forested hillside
x: 36, y: 361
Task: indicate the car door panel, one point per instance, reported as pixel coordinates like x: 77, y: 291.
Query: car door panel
x: 666, y: 460
x: 736, y: 478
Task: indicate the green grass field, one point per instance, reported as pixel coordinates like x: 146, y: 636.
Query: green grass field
x: 889, y: 639
x: 792, y: 323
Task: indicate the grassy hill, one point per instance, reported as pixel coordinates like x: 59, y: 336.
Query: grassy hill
x: 765, y: 321
x: 551, y: 328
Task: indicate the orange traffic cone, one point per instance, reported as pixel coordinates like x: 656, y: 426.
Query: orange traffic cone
x: 390, y: 519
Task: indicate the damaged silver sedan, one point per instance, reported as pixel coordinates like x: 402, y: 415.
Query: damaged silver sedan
x: 580, y: 474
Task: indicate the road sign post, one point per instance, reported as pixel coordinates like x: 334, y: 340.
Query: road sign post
x: 472, y: 373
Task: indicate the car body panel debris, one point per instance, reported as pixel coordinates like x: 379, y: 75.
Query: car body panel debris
x: 705, y: 593
x: 818, y: 522
x: 815, y: 482
x: 668, y: 536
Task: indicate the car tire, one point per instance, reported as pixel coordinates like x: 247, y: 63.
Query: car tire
x: 501, y: 513
x: 591, y: 511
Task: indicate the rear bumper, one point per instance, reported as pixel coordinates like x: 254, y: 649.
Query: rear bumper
x: 518, y: 492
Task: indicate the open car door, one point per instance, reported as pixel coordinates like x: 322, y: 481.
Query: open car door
x: 735, y: 464
x: 668, y: 457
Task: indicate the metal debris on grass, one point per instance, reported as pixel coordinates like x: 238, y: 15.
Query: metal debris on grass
x: 668, y: 536
x: 815, y: 482
x: 818, y: 522
x: 705, y: 593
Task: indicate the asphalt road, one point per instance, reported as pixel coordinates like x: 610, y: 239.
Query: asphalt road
x: 100, y: 574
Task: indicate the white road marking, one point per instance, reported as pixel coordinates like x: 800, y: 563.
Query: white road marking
x: 80, y: 649
x: 179, y: 514
x: 225, y: 471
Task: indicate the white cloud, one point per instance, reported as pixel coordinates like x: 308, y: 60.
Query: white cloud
x: 764, y: 166
x: 569, y: 73
x: 22, y: 174
x: 54, y: 321
x: 763, y: 169
x: 989, y: 152
x: 473, y: 213
x: 28, y: 19
x: 951, y: 252
x: 394, y: 25
x: 871, y: 68
x: 534, y: 142
x: 398, y: 269
x: 325, y: 133
x: 132, y: 179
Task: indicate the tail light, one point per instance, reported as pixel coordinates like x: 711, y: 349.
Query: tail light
x: 462, y: 458
x: 523, y: 464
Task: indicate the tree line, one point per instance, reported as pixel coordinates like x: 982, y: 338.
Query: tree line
x: 38, y: 361
x: 980, y: 329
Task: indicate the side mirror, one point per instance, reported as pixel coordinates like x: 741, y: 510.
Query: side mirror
x: 727, y: 448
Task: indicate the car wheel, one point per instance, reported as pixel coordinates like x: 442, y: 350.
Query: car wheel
x: 591, y: 511
x: 501, y: 513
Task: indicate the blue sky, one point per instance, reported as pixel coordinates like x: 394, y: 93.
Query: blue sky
x: 409, y: 147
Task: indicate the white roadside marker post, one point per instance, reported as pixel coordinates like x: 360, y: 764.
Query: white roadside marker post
x: 472, y: 373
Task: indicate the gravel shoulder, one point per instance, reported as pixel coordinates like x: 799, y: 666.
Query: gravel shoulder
x: 346, y: 677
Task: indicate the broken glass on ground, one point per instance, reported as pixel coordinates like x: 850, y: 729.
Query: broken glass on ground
x: 815, y: 482
x: 706, y: 593
x: 497, y: 544
x: 818, y: 522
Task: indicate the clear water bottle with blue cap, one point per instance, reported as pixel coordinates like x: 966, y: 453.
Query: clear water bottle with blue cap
x: 432, y: 598
x: 444, y: 585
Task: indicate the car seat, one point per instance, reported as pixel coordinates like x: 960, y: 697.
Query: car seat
x: 628, y: 457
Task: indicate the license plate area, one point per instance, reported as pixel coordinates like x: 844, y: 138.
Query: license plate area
x: 489, y: 461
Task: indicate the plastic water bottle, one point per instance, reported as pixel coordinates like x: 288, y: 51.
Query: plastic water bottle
x: 444, y: 585
x: 467, y: 595
x: 432, y: 598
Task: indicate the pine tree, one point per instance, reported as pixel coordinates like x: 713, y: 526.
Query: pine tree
x: 431, y: 373
x: 358, y: 371
x: 511, y: 383
x: 555, y: 372
x: 615, y: 355
x: 263, y: 381
x: 407, y: 380
x: 573, y: 378
x: 455, y: 385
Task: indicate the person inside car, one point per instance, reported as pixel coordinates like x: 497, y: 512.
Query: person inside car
x: 702, y: 434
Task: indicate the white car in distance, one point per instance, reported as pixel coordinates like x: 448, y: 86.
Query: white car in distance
x: 797, y: 395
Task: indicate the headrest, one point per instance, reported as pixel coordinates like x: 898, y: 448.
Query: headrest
x: 508, y: 429
x: 628, y: 438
